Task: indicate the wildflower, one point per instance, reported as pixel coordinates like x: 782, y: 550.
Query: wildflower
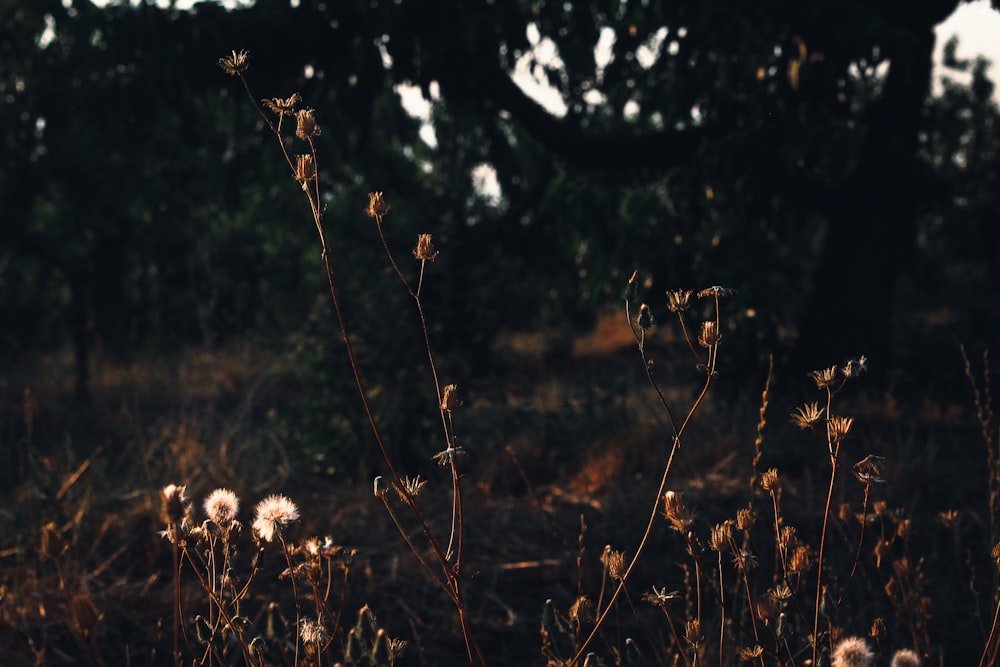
x: 710, y: 334
x: 615, y: 562
x: 271, y: 514
x: 745, y: 519
x: 853, y: 652
x: 305, y: 124
x: 311, y: 632
x: 770, y: 480
x: 824, y: 378
x: 449, y: 400
x: 808, y: 415
x: 305, y: 168
x: 838, y: 427
x: 721, y: 534
x: 235, y: 63
x: 283, y: 107
x: 645, y: 318
x: 221, y: 506
x: 905, y: 658
x: 660, y: 597
x: 413, y: 486
x: 681, y: 518
x: 377, y: 207
x: 869, y: 470
x: 679, y: 300
x: 447, y: 456
x: 692, y: 633
x: 425, y: 251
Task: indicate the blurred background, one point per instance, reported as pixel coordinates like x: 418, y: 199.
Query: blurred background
x: 164, y: 315
x: 796, y: 154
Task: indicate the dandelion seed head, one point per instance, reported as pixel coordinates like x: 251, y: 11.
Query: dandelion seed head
x: 222, y: 506
x: 853, y: 652
x: 271, y: 514
x: 905, y: 658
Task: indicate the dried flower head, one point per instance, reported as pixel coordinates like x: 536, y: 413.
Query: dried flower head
x: 312, y: 632
x: 283, y: 107
x: 716, y: 291
x: 175, y: 512
x: 581, y: 610
x: 770, y: 481
x: 305, y: 124
x: 905, y: 658
x: 808, y: 415
x: 271, y: 514
x: 838, y: 427
x: 380, y: 488
x: 632, y: 287
x: 425, y: 251
x: 788, y: 538
x: 745, y: 519
x: 449, y: 397
x: 680, y: 517
x: 751, y: 653
x: 377, y: 206
x: 743, y: 560
x: 825, y: 378
x: 645, y: 317
x: 679, y: 300
x: 692, y: 633
x: 781, y: 594
x: 235, y: 63
x: 870, y: 470
x: 305, y: 168
x: 222, y: 506
x: 615, y: 562
x: 661, y: 597
x: 853, y: 652
x: 855, y: 367
x: 413, y: 487
x: 800, y: 561
x: 448, y: 456
x: 710, y: 335
x: 721, y: 534
x: 878, y: 629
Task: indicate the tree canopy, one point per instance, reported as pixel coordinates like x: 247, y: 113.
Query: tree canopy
x: 788, y: 150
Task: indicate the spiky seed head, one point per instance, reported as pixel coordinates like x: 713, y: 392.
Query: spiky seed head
x: 788, y: 538
x: 312, y: 632
x: 692, y: 633
x: 271, y: 514
x: 870, y: 470
x: 681, y: 518
x: 305, y: 124
x: 305, y: 168
x: 905, y: 658
x: 825, y: 378
x: 800, y: 561
x: 615, y: 563
x: 808, y: 415
x: 710, y: 335
x: 838, y: 427
x: 174, y: 503
x: 745, y: 519
x: 718, y: 539
x: 855, y: 367
x: 878, y: 629
x: 425, y: 250
x: 751, y: 653
x: 716, y: 291
x: 679, y: 300
x: 283, y: 107
x: 235, y: 63
x: 449, y: 397
x: 770, y: 481
x: 853, y: 652
x: 222, y: 506
x: 377, y: 206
